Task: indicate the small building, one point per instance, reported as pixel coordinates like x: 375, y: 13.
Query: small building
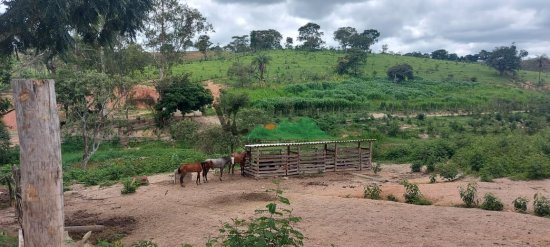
x: 299, y: 158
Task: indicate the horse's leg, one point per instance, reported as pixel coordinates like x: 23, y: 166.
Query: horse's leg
x: 221, y: 173
x: 198, y: 181
x: 182, y: 175
x: 205, y: 175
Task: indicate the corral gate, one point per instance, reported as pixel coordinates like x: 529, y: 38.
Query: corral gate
x: 289, y: 159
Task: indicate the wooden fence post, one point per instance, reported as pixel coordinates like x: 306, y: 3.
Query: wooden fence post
x: 40, y: 159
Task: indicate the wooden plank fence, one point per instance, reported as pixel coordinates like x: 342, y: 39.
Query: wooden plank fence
x: 291, y: 159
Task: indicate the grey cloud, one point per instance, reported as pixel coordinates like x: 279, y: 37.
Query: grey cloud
x: 253, y: 2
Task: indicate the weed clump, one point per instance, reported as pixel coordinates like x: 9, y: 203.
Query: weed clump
x: 372, y: 192
x: 491, y: 202
x: 392, y: 198
x: 413, y: 195
x: 541, y: 205
x: 469, y: 195
x: 130, y: 185
x: 520, y: 204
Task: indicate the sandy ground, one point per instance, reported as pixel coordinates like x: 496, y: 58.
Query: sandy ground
x: 331, y: 206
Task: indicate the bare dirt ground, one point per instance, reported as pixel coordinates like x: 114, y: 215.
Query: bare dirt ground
x: 331, y: 206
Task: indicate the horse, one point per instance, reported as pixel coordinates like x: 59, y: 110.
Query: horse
x: 190, y: 167
x: 206, y: 166
x: 238, y: 158
x: 219, y: 163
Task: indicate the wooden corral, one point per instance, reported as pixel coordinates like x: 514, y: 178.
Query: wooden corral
x: 290, y: 159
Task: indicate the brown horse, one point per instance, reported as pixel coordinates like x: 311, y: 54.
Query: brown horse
x: 190, y: 167
x: 206, y: 166
x: 238, y: 158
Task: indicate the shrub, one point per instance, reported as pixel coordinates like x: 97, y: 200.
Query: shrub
x: 144, y: 243
x: 372, y: 192
x: 520, y: 204
x: 416, y: 166
x: 184, y: 131
x: 376, y: 168
x: 413, y: 195
x: 400, y: 72
x: 541, y: 206
x: 448, y: 171
x: 392, y: 198
x: 491, y: 202
x: 430, y: 167
x: 275, y: 229
x: 129, y: 186
x: 469, y: 195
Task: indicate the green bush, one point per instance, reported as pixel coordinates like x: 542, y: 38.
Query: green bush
x: 275, y: 227
x: 184, y: 131
x: 416, y: 166
x: 541, y: 205
x: 413, y: 195
x: 372, y: 192
x: 469, y: 195
x: 433, y: 178
x: 129, y: 186
x: 400, y: 72
x: 376, y: 168
x: 448, y: 171
x: 144, y: 243
x: 520, y: 204
x: 491, y: 202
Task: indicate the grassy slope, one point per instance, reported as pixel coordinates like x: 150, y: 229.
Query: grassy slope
x: 297, y: 66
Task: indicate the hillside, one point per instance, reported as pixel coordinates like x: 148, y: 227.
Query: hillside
x: 288, y: 66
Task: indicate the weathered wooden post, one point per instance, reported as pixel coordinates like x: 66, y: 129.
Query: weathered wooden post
x: 40, y: 158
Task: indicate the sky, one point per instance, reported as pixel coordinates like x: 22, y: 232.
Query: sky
x: 462, y: 27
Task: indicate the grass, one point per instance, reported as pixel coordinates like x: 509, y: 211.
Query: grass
x: 303, y: 129
x: 114, y: 163
x: 290, y: 66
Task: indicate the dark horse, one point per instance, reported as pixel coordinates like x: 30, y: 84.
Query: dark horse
x: 191, y: 167
x: 238, y: 158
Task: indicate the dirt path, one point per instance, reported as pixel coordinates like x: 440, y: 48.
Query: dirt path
x: 331, y: 206
x: 215, y: 89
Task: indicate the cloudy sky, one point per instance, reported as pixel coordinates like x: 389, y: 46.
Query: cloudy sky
x: 463, y: 27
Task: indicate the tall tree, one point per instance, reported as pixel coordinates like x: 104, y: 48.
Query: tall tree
x: 239, y: 43
x: 440, y: 54
x: 265, y: 39
x: 506, y: 59
x: 343, y: 35
x: 289, y: 43
x: 171, y: 28
x: 227, y: 109
x: 364, y: 40
x: 311, y: 36
x: 203, y: 44
x: 352, y: 62
x: 48, y: 29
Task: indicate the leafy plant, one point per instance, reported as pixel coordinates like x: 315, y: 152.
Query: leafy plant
x: 144, y: 243
x: 433, y: 178
x: 130, y: 185
x: 491, y: 202
x: 520, y: 204
x: 416, y: 166
x: 448, y: 171
x: 541, y: 205
x: 469, y: 195
x: 372, y: 191
x: 413, y: 195
x: 273, y: 228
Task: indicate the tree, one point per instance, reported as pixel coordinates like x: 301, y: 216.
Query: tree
x: 239, y: 43
x: 48, y: 29
x: 343, y: 35
x: 506, y: 59
x: 364, y: 40
x: 89, y: 99
x: 228, y: 107
x: 351, y: 63
x: 484, y: 55
x: 261, y: 62
x: 203, y: 44
x: 440, y: 54
x: 265, y: 39
x: 400, y: 72
x: 311, y: 36
x: 171, y: 28
x: 241, y: 72
x: 179, y: 93
x: 384, y: 48
x: 289, y: 43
